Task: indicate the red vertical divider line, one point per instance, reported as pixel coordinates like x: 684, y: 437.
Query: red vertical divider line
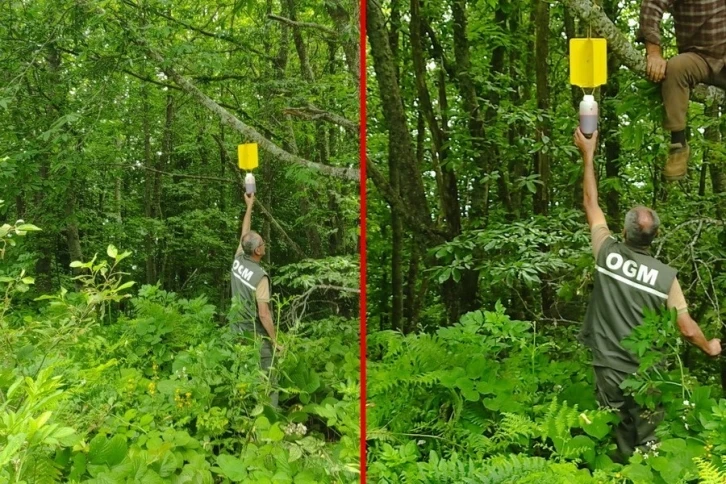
x: 362, y: 303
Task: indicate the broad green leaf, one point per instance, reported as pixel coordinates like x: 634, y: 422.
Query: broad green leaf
x: 275, y: 434
x: 232, y: 468
x: 112, y: 251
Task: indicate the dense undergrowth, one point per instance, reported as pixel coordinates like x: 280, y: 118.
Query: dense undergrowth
x: 160, y: 391
x: 499, y: 401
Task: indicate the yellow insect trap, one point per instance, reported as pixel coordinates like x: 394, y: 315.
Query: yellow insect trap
x: 247, y: 156
x: 588, y: 62
x: 247, y: 160
x: 588, y: 69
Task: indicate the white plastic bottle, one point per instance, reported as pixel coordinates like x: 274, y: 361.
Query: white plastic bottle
x: 588, y: 115
x: 250, y: 187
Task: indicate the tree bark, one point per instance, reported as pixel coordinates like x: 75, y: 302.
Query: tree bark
x: 249, y: 132
x: 611, y: 130
x: 467, y: 89
x: 400, y: 144
x: 542, y: 161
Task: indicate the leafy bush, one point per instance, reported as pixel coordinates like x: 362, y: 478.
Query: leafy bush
x: 497, y: 400
x: 99, y: 385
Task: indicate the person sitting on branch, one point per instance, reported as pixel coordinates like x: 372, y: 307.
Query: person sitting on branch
x: 700, y: 29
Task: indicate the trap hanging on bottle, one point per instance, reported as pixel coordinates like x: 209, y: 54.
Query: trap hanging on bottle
x: 247, y: 156
x: 588, y: 62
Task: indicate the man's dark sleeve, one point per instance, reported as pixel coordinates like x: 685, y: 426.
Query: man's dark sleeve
x: 651, y: 15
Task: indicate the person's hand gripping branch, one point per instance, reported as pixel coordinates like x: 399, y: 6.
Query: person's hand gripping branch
x: 655, y: 67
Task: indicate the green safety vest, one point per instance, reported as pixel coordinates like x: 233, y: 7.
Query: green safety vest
x: 245, y: 276
x: 627, y: 280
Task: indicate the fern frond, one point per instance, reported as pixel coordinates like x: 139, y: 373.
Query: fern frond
x: 709, y: 473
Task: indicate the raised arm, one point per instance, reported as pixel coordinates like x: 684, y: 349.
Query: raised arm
x: 247, y: 222
x: 651, y: 15
x: 587, y: 147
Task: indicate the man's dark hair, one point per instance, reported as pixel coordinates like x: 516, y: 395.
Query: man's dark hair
x: 641, y: 226
x: 250, y: 242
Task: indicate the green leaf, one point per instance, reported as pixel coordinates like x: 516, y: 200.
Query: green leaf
x: 27, y: 228
x: 275, y: 434
x: 11, y: 448
x: 168, y: 465
x: 598, y: 427
x: 112, y: 251
x: 76, y: 263
x: 4, y: 230
x: 638, y: 473
x: 232, y: 468
x: 476, y: 366
x: 28, y: 280
x: 674, y: 446
x: 295, y: 453
x: 103, y: 451
x: 125, y: 285
x: 79, y: 467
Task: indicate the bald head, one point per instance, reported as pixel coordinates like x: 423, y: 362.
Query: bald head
x: 641, y: 226
x: 251, y: 242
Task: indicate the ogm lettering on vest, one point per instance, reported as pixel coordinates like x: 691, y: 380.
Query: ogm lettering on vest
x: 242, y: 271
x: 643, y: 273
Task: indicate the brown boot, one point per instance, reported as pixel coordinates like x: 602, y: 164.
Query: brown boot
x: 677, y: 164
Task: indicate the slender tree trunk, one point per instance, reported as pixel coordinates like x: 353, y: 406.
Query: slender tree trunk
x: 611, y: 129
x: 542, y: 161
x: 467, y: 89
x: 149, y: 241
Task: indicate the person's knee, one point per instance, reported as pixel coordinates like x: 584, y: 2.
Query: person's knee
x: 683, y: 69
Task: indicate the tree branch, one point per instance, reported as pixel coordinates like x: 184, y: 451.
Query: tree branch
x: 240, y: 181
x: 226, y: 38
x: 312, y: 113
x: 246, y: 130
x: 627, y: 53
x: 309, y: 25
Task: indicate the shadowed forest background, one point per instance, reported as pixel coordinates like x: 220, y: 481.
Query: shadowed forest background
x: 485, y: 268
x: 121, y: 121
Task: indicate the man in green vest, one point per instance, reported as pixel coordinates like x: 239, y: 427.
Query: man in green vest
x: 251, y: 289
x: 627, y: 280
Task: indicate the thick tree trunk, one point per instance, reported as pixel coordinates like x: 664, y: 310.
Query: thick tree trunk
x: 400, y: 144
